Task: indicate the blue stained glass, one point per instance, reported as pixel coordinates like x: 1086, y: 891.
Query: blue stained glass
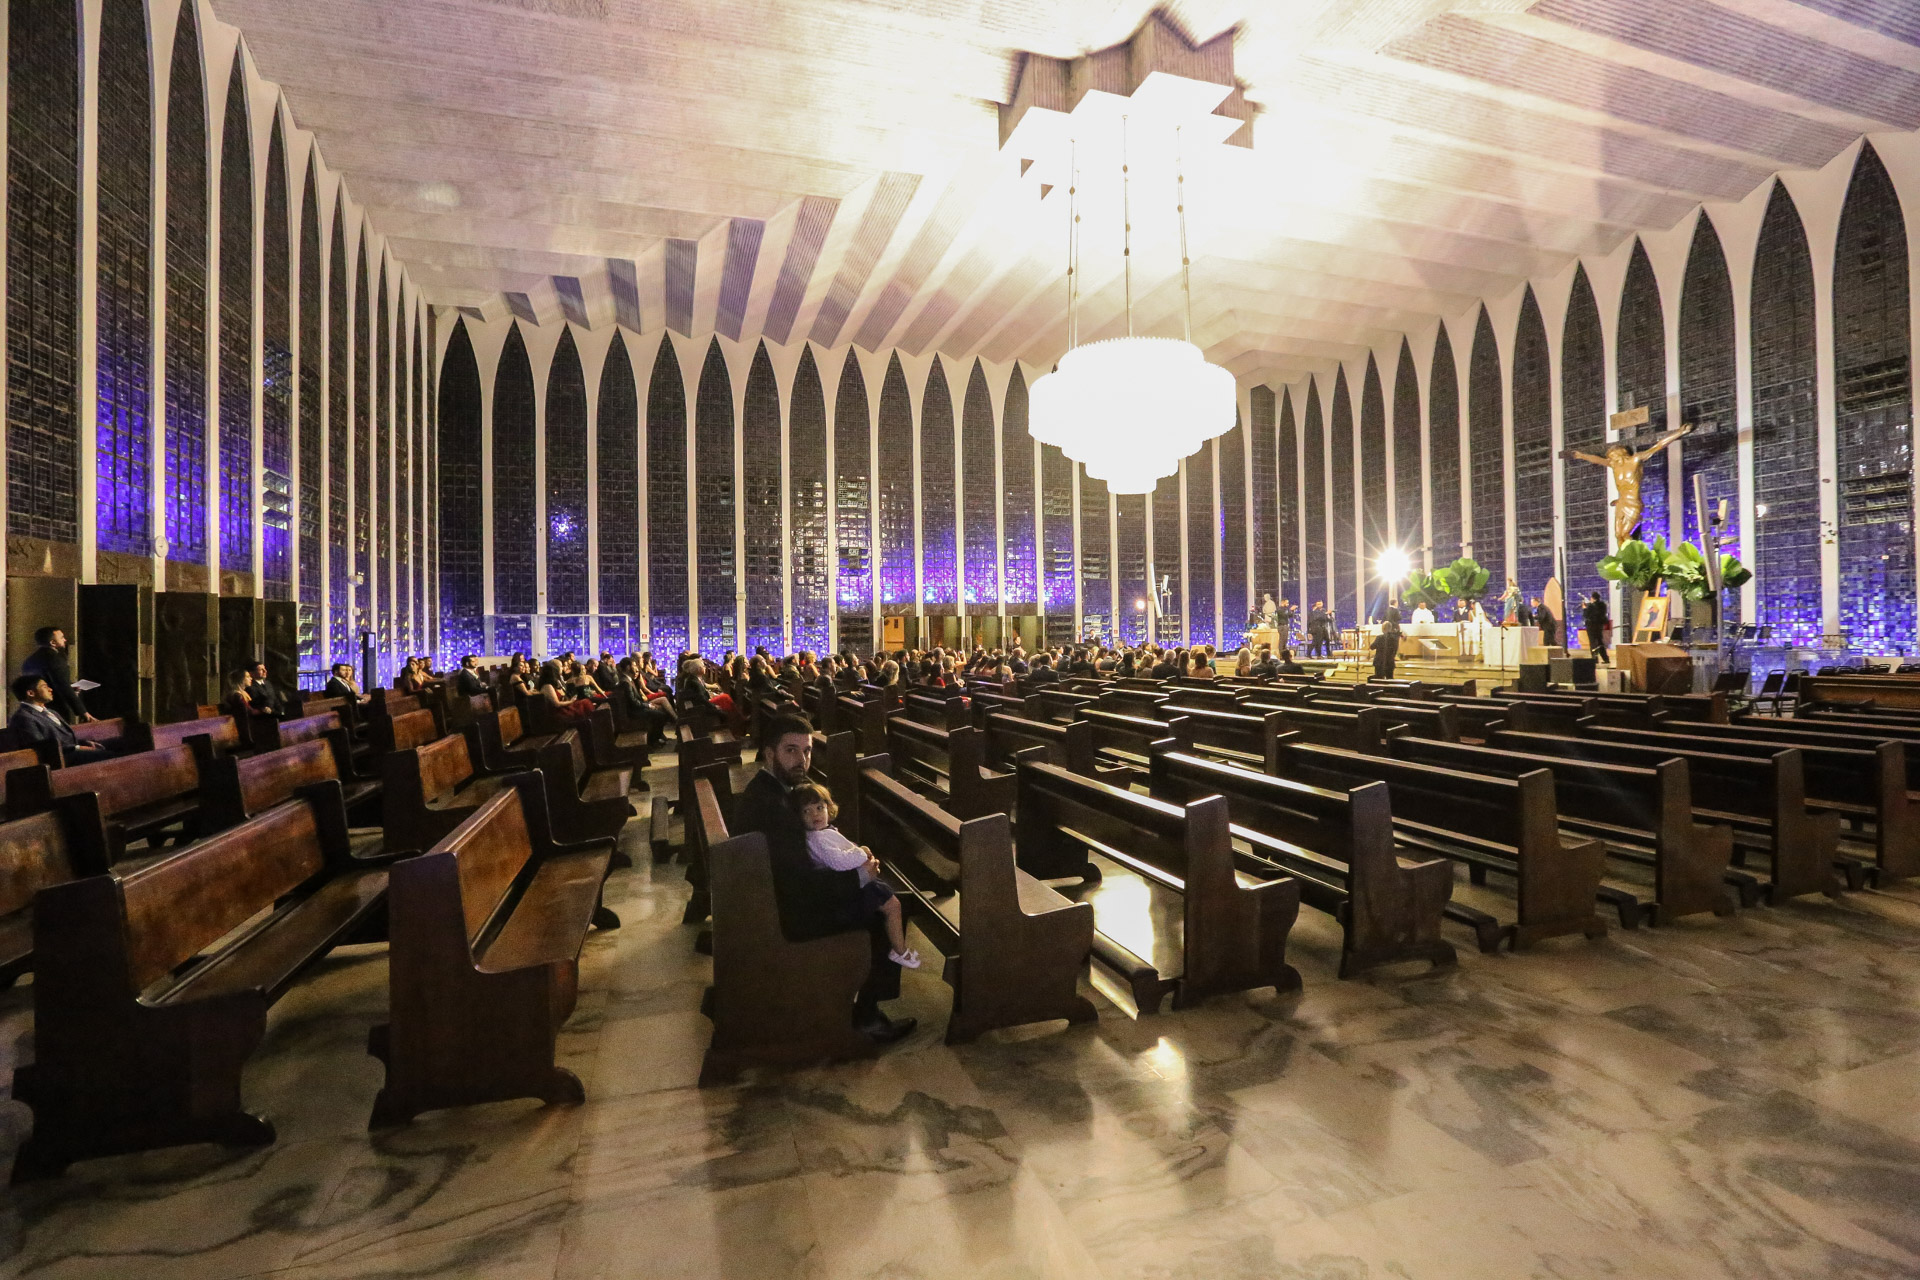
x: 853, y: 500
x: 1532, y: 451
x: 1373, y: 490
x: 896, y: 487
x: 124, y: 308
x: 713, y: 485
x: 978, y: 498
x: 1407, y: 487
x: 236, y: 332
x: 1265, y: 504
x: 1583, y: 411
x: 566, y: 480
x: 1204, y: 534
x: 1642, y: 367
x: 339, y: 445
x: 1288, y: 454
x: 808, y: 505
x: 1313, y: 503
x: 567, y: 632
x: 1485, y: 408
x: 1443, y: 453
x: 1785, y: 546
x: 1096, y: 559
x: 760, y: 472
x: 1130, y: 564
x: 1708, y: 394
x: 186, y: 352
x: 1233, y: 521
x: 939, y: 574
x: 618, y: 479
x: 462, y: 574
x: 1016, y: 452
x: 667, y: 599
x: 1056, y: 499
x: 515, y: 589
x: 276, y: 384
x: 1342, y: 599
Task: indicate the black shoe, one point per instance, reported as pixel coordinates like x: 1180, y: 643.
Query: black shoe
x: 889, y: 1030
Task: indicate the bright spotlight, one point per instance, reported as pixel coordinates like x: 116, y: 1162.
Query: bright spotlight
x: 1141, y: 605
x: 1393, y: 564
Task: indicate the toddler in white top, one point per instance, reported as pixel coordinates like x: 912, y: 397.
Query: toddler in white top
x: 832, y: 851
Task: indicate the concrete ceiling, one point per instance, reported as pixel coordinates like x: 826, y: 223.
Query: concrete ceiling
x: 833, y: 169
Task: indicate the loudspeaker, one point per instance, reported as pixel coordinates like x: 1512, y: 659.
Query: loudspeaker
x: 1533, y: 677
x: 1574, y: 671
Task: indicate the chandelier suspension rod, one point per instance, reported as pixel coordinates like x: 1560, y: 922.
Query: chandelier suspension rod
x: 1073, y: 244
x: 1126, y: 223
x: 1180, y: 207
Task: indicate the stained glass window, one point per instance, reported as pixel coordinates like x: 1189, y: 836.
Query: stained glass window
x: 1485, y: 408
x: 339, y: 441
x: 1097, y: 603
x: 276, y: 383
x: 667, y: 601
x: 1016, y: 496
x: 760, y: 467
x: 1287, y: 456
x: 1202, y: 539
x: 43, y: 212
x: 853, y: 502
x: 977, y: 492
x: 1233, y: 520
x: 236, y: 330
x: 1163, y: 576
x: 1313, y: 502
x: 363, y: 439
x: 807, y: 504
x: 1130, y: 558
x: 186, y: 431
x: 1343, y: 600
x: 462, y: 571
x: 313, y: 429
x: 1443, y: 450
x: 566, y: 530
x: 1265, y: 504
x: 1408, y: 490
x: 1708, y: 394
x: 1056, y: 513
x: 1583, y: 414
x: 617, y: 475
x: 1642, y: 366
x: 1873, y: 376
x: 1532, y: 451
x: 896, y: 488
x: 939, y: 588
x: 1372, y: 536
x: 1785, y: 544
x: 123, y: 310
x: 713, y: 486
x: 514, y: 531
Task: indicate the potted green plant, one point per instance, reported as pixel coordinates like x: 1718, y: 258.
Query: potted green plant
x: 1422, y: 588
x: 1465, y: 581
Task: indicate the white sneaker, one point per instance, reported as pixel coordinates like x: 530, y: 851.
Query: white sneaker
x: 905, y: 959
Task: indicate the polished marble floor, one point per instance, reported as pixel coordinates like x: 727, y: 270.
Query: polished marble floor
x: 1724, y: 1098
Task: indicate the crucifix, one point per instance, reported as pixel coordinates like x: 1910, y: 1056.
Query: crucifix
x: 1626, y: 465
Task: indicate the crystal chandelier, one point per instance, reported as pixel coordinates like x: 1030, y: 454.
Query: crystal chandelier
x: 1130, y: 408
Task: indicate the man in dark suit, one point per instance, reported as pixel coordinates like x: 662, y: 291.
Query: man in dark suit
x: 49, y: 662
x: 813, y: 903
x: 1043, y: 672
x: 341, y: 685
x: 467, y: 681
x: 264, y: 695
x: 35, y: 721
x: 1594, y: 617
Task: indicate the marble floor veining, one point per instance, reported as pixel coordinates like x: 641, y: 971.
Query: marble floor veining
x: 1733, y: 1098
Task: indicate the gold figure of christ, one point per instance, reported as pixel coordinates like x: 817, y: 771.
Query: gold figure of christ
x: 1626, y: 466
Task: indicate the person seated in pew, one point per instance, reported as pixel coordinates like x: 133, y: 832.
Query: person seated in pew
x: 466, y: 681
x: 516, y: 681
x: 266, y: 697
x: 1287, y: 666
x: 605, y: 673
x: 579, y: 681
x: 412, y: 679
x: 35, y: 720
x: 1043, y: 672
x: 1243, y: 662
x: 1166, y: 666
x: 832, y: 851
x: 812, y: 903
x: 340, y: 684
x: 1202, y: 668
x: 1267, y: 665
x: 49, y: 662
x: 694, y: 691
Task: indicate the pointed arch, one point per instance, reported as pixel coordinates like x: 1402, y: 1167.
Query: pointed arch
x: 1583, y: 413
x: 566, y: 531
x: 276, y: 379
x: 1313, y: 501
x: 853, y: 505
x: 1785, y: 541
x: 381, y: 596
x: 339, y: 439
x: 713, y: 487
x: 1486, y: 402
x: 1019, y: 567
x: 1288, y: 468
x: 236, y: 328
x: 1409, y: 489
x: 1642, y: 380
x: 515, y: 588
x: 462, y: 509
x: 1343, y: 556
x: 939, y: 583
x: 810, y: 505
x: 123, y: 307
x: 186, y: 432
x: 977, y: 493
x: 760, y: 473
x: 895, y: 468
x: 1532, y: 450
x: 1443, y: 452
x: 313, y: 423
x: 1708, y: 391
x: 1265, y: 500
x: 1372, y: 537
x: 362, y: 285
x: 617, y: 492
x: 1232, y: 519
x: 1873, y: 385
x: 667, y: 513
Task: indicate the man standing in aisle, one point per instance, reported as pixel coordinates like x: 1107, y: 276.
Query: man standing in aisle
x: 49, y: 662
x: 1594, y: 617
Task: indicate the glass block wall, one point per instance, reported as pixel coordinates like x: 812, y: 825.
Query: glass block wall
x: 895, y: 468
x: 1708, y: 395
x: 1583, y: 419
x: 760, y: 495
x: 939, y: 575
x: 1443, y: 453
x: 1343, y: 579
x: 123, y: 312
x: 667, y: 601
x: 1407, y: 488
x: 1784, y: 548
x: 1642, y: 380
x: 1532, y: 451
x: 714, y: 509
x: 1485, y: 408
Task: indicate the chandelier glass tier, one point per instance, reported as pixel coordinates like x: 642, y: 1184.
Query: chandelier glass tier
x: 1130, y: 408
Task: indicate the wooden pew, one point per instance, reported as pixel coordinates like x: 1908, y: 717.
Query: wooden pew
x: 939, y: 712
x: 123, y: 735
x: 584, y: 804
x: 1339, y: 845
x: 1761, y: 799
x: 1145, y: 703
x: 1349, y: 728
x: 773, y: 1002
x: 1491, y: 824
x: 1437, y: 720
x: 1121, y: 743
x: 1240, y: 737
x: 865, y: 719
x: 298, y: 729
x: 427, y: 791
x: 47, y: 754
x: 504, y: 744
x: 1900, y: 692
x: 234, y: 789
x: 1644, y: 815
x: 131, y: 1051
x: 1214, y: 924
x: 1068, y: 745
x: 950, y: 764
x: 983, y: 705
x: 835, y: 765
x: 64, y: 843
x: 483, y: 966
x: 151, y: 796
x: 222, y: 734
x: 1018, y: 957
x: 1865, y: 783
x: 1051, y: 703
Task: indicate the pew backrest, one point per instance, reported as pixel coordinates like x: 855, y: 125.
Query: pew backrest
x: 222, y: 732
x: 235, y: 789
x: 64, y: 843
x: 122, y: 784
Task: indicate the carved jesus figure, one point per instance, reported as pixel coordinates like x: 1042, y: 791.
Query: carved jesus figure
x: 1626, y: 465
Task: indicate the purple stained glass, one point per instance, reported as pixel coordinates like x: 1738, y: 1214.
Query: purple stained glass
x: 852, y: 492
x: 1016, y: 498
x: 978, y: 492
x: 1130, y: 565
x: 667, y: 506
x: 186, y: 350
x: 1096, y: 559
x: 1203, y: 541
x: 124, y: 349
x: 566, y: 480
x: 1643, y: 383
x: 895, y: 468
x: 1056, y: 514
x: 808, y: 504
x: 714, y: 512
x: 1708, y: 393
x: 1443, y: 452
x: 939, y: 580
x: 236, y: 331
x: 760, y: 475
x: 276, y: 384
x: 1342, y: 598
x: 1485, y: 406
x: 1233, y: 521
x: 462, y: 575
x: 1784, y: 550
